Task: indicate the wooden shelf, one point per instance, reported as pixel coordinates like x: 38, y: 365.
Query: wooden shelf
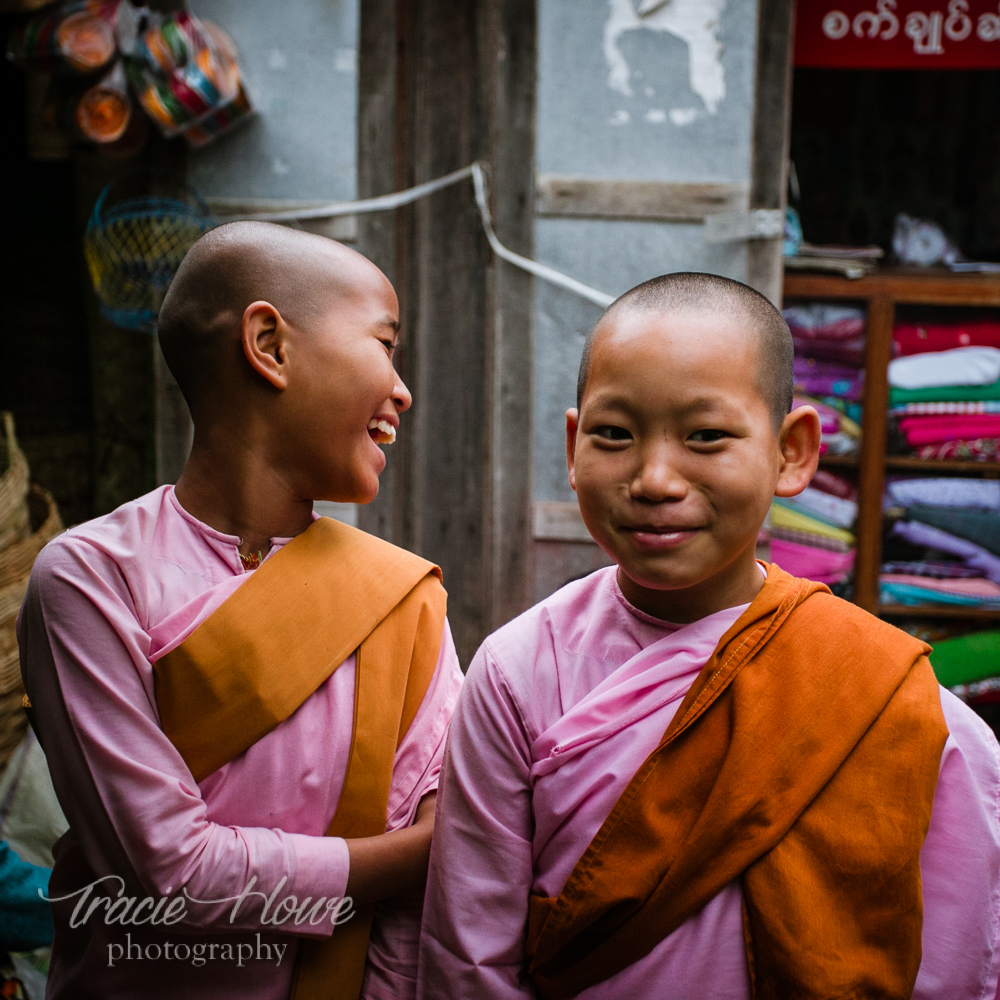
x: 881, y: 293
x: 907, y: 285
x: 990, y: 470
x: 839, y: 461
x: 938, y: 611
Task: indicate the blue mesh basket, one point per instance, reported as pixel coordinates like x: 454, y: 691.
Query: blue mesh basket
x: 133, y: 247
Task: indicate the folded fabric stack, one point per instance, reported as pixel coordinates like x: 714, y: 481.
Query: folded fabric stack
x: 946, y: 403
x: 946, y: 550
x: 829, y: 368
x: 966, y: 662
x: 811, y: 533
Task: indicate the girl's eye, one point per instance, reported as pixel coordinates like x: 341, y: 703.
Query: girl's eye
x: 612, y: 433
x: 708, y: 436
x: 389, y: 346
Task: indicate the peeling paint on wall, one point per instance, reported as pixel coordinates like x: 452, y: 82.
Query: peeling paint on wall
x: 694, y: 22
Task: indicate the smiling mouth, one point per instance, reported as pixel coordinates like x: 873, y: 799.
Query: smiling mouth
x: 649, y: 536
x: 381, y: 431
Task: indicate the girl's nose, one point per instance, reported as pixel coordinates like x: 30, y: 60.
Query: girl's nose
x: 658, y: 478
x: 401, y: 397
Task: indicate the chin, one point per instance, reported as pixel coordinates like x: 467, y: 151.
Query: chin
x: 676, y: 576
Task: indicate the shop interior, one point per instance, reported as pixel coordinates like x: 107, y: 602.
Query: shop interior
x: 904, y: 515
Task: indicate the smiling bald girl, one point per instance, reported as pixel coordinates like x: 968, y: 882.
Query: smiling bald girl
x: 691, y: 775
x: 243, y: 705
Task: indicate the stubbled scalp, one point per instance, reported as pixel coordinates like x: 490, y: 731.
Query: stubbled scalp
x: 229, y: 268
x: 711, y: 294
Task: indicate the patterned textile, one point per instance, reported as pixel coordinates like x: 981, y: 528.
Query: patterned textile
x: 975, y: 450
x: 825, y: 321
x: 785, y: 517
x: 937, y: 409
x: 893, y: 592
x: 975, y: 691
x: 824, y: 378
x: 973, y: 587
x: 846, y: 352
x: 944, y: 491
x: 810, y: 538
x: 934, y: 538
x: 936, y: 570
x: 829, y: 510
x: 837, y: 486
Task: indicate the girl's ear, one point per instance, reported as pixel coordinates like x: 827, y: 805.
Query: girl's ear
x: 572, y: 424
x: 264, y: 336
x: 800, y: 437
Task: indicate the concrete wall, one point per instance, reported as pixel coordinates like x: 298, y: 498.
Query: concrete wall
x: 618, y: 99
x: 300, y: 60
x: 300, y: 64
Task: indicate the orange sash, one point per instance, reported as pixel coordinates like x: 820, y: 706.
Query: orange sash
x: 329, y: 592
x: 803, y: 759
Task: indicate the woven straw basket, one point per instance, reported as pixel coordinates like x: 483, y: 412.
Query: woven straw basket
x: 28, y: 519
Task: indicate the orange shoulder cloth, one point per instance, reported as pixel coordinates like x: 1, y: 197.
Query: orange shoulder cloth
x: 330, y: 592
x: 803, y: 760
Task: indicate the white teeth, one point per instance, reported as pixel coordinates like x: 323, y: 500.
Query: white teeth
x: 387, y: 433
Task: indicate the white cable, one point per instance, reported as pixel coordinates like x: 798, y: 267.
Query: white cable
x: 386, y: 202
x: 383, y: 203
x: 539, y: 270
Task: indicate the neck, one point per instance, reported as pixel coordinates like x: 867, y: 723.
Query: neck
x: 737, y: 584
x: 233, y: 488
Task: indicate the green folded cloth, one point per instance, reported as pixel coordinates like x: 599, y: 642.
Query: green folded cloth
x: 946, y: 394
x: 979, y: 526
x: 967, y: 658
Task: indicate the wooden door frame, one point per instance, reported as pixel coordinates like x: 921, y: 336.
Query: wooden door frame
x: 771, y: 137
x: 442, y: 83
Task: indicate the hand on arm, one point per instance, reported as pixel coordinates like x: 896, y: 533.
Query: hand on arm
x: 392, y: 863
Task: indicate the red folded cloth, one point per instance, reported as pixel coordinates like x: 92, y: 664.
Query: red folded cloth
x: 932, y: 429
x: 985, y: 449
x: 917, y: 338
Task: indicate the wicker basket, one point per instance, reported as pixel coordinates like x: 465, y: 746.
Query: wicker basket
x: 13, y: 487
x: 28, y: 520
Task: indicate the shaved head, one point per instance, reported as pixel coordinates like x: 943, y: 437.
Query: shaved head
x: 234, y: 265
x: 687, y: 292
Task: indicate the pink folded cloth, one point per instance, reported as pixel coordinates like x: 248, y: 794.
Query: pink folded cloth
x: 976, y: 587
x: 838, y: 486
x: 820, y: 565
x: 949, y: 427
x: 849, y: 352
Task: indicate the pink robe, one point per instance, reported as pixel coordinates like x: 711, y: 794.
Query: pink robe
x: 106, y: 599
x: 559, y: 710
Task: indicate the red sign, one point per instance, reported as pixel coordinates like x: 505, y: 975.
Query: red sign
x: 898, y: 34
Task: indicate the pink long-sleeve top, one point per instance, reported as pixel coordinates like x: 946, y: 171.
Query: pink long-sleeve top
x: 559, y: 710
x: 106, y: 599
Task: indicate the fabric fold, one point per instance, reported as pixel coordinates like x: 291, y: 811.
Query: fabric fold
x: 832, y: 907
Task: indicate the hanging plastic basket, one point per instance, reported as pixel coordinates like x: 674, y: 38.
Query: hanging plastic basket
x: 134, y: 245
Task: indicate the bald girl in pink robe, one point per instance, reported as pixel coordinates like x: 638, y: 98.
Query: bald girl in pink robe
x: 559, y: 710
x: 106, y: 600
